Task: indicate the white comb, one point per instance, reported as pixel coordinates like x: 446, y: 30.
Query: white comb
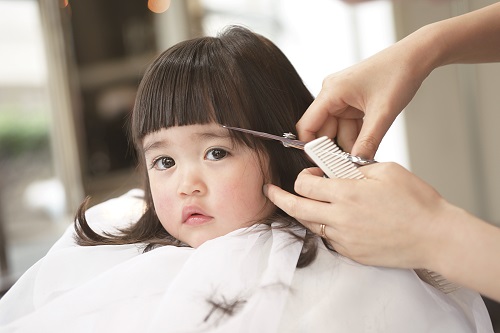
x: 338, y: 164
x: 334, y: 162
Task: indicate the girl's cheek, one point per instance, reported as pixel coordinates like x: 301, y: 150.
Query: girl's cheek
x: 162, y: 201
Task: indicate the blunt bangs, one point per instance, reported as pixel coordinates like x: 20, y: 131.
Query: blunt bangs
x: 185, y: 86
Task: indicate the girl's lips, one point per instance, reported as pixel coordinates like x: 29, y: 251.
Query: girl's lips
x: 197, y: 219
x: 192, y: 215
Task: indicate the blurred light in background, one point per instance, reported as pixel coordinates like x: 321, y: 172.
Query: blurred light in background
x: 158, y: 6
x: 63, y: 3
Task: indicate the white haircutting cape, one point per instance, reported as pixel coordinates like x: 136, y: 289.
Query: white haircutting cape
x: 246, y: 281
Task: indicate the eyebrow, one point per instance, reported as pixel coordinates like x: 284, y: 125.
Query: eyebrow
x: 155, y: 145
x: 212, y: 135
x: 159, y: 144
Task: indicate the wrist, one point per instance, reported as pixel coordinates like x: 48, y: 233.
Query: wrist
x: 457, y: 238
x: 446, y: 236
x: 427, y: 49
x: 420, y: 54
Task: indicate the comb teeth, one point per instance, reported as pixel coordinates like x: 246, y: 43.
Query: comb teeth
x: 333, y: 161
x: 437, y: 280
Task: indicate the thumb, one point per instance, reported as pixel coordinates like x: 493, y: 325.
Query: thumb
x: 374, y: 127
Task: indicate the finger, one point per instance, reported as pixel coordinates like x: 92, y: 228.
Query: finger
x: 347, y: 133
x: 313, y: 171
x: 329, y: 128
x: 322, y: 230
x: 316, y: 115
x: 316, y: 187
x: 302, y: 209
x: 338, y: 247
x: 380, y: 171
x: 315, y: 227
x: 329, y: 236
x: 373, y: 130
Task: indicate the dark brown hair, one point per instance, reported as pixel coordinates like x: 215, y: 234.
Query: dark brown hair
x: 238, y: 78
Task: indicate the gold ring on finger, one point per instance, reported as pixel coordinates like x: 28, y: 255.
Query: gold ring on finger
x: 322, y: 230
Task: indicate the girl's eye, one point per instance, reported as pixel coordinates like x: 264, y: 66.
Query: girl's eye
x: 163, y: 163
x: 216, y: 154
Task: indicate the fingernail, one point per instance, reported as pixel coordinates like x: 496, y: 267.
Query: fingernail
x: 265, y: 189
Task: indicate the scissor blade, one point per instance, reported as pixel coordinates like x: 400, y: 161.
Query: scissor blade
x: 285, y: 141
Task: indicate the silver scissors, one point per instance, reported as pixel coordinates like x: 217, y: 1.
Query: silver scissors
x: 289, y: 140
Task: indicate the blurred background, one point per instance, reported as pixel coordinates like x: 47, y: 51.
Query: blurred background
x: 69, y: 70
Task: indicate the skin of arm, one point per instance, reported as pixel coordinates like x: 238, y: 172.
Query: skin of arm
x: 360, y: 103
x: 393, y: 218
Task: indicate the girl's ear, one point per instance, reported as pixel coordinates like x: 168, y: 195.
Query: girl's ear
x: 275, y: 177
x: 271, y: 175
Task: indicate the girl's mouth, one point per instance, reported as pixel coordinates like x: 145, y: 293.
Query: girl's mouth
x: 192, y: 215
x: 197, y: 219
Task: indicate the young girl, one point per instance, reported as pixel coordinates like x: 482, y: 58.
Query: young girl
x: 238, y: 79
x: 201, y: 249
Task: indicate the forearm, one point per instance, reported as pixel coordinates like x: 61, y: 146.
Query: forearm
x: 467, y: 251
x: 470, y: 38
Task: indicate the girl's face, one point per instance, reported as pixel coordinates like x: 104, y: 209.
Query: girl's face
x: 204, y: 186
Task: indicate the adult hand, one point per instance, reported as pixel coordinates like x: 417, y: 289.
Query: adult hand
x: 359, y: 104
x: 364, y: 99
x: 392, y: 218
x: 387, y: 219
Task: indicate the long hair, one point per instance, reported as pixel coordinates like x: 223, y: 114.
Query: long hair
x: 238, y: 78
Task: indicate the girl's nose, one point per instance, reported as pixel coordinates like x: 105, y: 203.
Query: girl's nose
x: 191, y: 183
